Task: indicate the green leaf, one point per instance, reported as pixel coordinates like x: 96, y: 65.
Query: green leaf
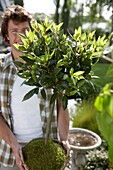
x: 28, y: 59
x: 105, y: 124
x: 34, y: 25
x: 110, y: 70
x: 47, y: 40
x: 78, y: 73
x: 77, y: 33
x: 99, y: 103
x: 71, y: 71
x: 43, y: 93
x: 46, y: 22
x: 80, y: 83
x: 29, y: 82
x: 29, y: 94
x: 109, y: 107
x: 103, y: 99
x: 95, y: 60
x: 90, y: 35
x: 19, y: 47
x: 49, y: 26
x: 22, y: 36
x: 25, y: 40
x: 37, y: 90
x: 58, y: 27
x: 64, y: 102
x: 41, y: 27
x: 33, y: 76
x: 110, y: 151
x: 73, y: 92
x: 57, y: 71
x: 60, y: 63
x: 31, y: 35
x: 83, y: 36
x: 18, y: 63
x: 53, y: 98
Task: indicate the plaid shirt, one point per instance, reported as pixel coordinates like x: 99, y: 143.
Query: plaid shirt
x: 7, y: 77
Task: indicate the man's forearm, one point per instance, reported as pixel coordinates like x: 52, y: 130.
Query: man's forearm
x: 8, y: 136
x: 63, y: 122
x: 6, y: 133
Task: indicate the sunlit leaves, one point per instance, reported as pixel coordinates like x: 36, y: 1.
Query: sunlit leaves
x: 77, y: 33
x: 57, y: 27
x: 53, y: 60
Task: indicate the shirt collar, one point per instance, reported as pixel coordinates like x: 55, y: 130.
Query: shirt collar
x: 8, y: 60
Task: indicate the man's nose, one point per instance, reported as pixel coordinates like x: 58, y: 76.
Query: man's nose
x: 18, y: 38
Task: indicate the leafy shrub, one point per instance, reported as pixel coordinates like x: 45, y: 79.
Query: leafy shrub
x: 53, y: 60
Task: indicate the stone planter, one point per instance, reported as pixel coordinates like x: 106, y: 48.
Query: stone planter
x: 81, y: 140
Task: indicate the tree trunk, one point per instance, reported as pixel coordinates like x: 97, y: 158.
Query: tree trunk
x: 57, y: 3
x: 66, y: 14
x: 19, y: 2
x: 49, y: 121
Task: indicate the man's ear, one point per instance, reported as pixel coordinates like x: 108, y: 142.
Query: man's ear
x: 7, y: 37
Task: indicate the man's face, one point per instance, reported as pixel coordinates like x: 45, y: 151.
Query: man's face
x: 14, y: 28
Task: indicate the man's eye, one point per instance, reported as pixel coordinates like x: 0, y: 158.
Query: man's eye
x: 14, y: 32
x: 24, y: 31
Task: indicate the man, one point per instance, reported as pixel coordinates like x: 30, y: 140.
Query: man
x: 20, y: 121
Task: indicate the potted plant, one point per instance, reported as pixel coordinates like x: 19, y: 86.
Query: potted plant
x: 53, y: 60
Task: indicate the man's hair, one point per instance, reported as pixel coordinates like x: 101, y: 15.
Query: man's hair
x: 17, y: 14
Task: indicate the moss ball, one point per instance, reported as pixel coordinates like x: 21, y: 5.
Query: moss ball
x: 39, y: 155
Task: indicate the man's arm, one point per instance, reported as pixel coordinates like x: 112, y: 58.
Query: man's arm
x: 8, y: 136
x: 63, y: 125
x: 63, y: 122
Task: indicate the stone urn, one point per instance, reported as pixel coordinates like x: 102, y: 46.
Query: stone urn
x: 81, y: 140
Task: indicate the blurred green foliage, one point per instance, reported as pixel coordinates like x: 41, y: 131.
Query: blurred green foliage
x: 104, y: 106
x: 85, y: 116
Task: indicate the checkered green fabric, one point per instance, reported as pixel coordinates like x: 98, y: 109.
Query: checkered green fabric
x: 7, y: 77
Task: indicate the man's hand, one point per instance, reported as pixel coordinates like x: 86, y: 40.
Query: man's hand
x: 66, y: 146
x: 19, y: 158
x: 24, y: 165
x: 67, y: 149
